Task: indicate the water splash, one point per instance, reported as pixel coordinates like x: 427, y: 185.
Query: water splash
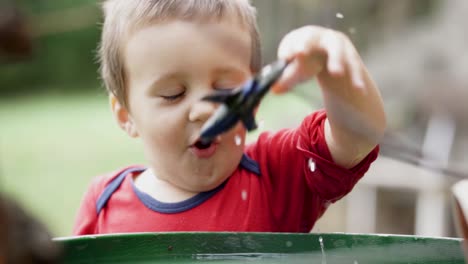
x: 244, y: 195
x: 324, y: 257
x: 339, y: 15
x: 238, y: 140
x: 261, y: 124
x: 311, y: 164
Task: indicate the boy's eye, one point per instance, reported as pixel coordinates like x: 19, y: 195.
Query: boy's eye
x: 173, y: 97
x: 225, y: 87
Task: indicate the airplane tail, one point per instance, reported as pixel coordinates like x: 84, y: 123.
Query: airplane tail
x: 249, y: 122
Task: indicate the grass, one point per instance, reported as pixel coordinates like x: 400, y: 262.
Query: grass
x: 52, y: 145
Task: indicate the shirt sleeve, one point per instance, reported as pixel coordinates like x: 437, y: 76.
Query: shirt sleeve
x: 86, y: 219
x: 323, y: 176
x: 299, y: 174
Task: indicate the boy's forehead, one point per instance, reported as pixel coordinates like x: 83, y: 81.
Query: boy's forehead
x: 235, y: 36
x: 188, y: 37
x: 201, y: 17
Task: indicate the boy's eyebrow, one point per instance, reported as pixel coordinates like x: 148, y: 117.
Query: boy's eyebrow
x: 230, y: 70
x: 225, y: 70
x: 164, y: 77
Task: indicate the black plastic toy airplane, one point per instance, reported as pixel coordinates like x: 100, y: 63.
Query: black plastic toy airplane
x: 239, y: 104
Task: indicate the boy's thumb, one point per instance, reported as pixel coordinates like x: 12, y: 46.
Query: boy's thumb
x: 288, y: 79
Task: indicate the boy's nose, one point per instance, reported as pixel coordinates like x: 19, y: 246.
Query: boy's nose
x: 201, y: 111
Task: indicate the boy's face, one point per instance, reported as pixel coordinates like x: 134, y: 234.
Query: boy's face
x: 170, y: 67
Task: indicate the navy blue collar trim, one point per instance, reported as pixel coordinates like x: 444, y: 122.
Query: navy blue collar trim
x: 173, y: 208
x: 250, y: 164
x: 112, y: 187
x: 168, y: 208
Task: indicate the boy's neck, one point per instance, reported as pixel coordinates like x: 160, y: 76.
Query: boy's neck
x: 160, y: 190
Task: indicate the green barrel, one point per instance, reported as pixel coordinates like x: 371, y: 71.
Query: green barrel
x: 225, y: 247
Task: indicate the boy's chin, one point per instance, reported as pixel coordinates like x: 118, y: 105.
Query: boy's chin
x: 208, y: 184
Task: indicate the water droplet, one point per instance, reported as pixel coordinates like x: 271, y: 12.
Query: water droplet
x: 289, y: 243
x: 339, y: 15
x: 261, y: 124
x: 352, y: 30
x: 311, y: 165
x: 238, y: 140
x: 244, y: 195
x: 324, y: 257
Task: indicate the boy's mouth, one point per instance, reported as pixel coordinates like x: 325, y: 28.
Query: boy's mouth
x: 204, y: 148
x: 203, y: 144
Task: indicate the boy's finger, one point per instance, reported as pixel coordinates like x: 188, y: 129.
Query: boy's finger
x: 287, y: 47
x: 333, y: 44
x: 277, y: 88
x: 283, y: 84
x: 302, y: 68
x: 300, y: 41
x: 355, y: 67
x: 288, y: 79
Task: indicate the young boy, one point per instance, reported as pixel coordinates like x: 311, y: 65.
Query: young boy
x: 159, y: 58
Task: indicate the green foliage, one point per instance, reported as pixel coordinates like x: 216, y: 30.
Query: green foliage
x: 42, y: 6
x: 63, y: 59
x: 50, y: 148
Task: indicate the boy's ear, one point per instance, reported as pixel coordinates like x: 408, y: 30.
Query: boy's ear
x: 123, y: 117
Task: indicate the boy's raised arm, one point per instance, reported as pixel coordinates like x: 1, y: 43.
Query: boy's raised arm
x: 355, y: 115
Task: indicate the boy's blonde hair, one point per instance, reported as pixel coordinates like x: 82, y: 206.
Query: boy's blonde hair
x: 122, y: 17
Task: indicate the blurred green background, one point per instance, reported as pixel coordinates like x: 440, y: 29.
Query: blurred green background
x: 56, y: 128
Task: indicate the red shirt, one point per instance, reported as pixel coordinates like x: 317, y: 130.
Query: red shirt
x: 284, y: 183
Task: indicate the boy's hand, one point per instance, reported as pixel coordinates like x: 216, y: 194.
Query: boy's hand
x: 355, y: 115
x: 320, y: 52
